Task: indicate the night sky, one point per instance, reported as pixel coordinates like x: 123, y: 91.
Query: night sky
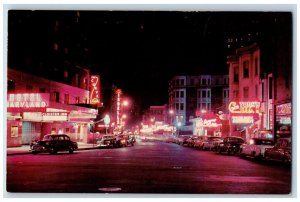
x: 137, y: 51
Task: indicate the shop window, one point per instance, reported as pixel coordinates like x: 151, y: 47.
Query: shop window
x: 53, y: 130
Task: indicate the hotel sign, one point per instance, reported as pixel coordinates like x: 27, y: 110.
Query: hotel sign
x: 27, y: 101
x: 244, y: 107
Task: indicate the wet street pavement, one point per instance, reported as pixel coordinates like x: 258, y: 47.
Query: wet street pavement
x: 146, y: 168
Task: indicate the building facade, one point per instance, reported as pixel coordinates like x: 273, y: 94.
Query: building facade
x: 38, y: 106
x: 260, y: 97
x: 191, y: 97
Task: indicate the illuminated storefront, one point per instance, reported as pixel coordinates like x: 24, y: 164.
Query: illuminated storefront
x: 32, y: 115
x: 283, y: 119
x: 245, y: 118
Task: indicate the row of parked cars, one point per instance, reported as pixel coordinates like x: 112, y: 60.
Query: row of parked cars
x: 54, y: 143
x: 256, y: 148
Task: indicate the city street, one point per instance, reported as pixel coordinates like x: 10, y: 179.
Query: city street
x: 149, y: 167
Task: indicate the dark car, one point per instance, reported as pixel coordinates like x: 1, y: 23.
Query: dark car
x: 124, y: 140
x: 231, y: 145
x: 282, y: 151
x: 106, y: 141
x: 53, y: 144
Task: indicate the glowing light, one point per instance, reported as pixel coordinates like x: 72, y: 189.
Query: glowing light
x: 242, y: 119
x: 244, y: 107
x: 95, y: 89
x: 28, y: 100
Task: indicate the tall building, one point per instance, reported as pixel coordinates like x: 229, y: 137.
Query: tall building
x: 189, y: 95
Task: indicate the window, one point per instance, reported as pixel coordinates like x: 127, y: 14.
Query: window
x: 29, y: 87
x: 246, y: 92
x: 270, y: 88
x: 246, y: 69
x: 11, y: 85
x: 236, y: 74
x: 181, y: 107
x: 256, y: 91
x: 181, y: 82
x: 203, y: 81
x: 225, y: 93
x: 192, y: 82
x: 177, y: 106
x: 235, y: 94
x: 66, y: 98
x: 54, y: 96
x: 177, y: 94
x: 256, y: 66
x: 203, y: 94
x: 42, y: 90
x: 77, y: 100
x: 181, y: 94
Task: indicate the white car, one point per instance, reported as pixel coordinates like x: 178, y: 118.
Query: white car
x: 211, y: 143
x: 256, y: 148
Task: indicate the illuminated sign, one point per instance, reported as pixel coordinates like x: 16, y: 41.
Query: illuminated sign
x: 55, y: 116
x: 284, y: 119
x: 27, y: 100
x: 206, y: 123
x: 95, y: 89
x: 244, y: 107
x: 242, y: 119
x: 284, y: 109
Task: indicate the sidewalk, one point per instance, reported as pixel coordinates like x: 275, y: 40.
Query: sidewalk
x: 24, y: 149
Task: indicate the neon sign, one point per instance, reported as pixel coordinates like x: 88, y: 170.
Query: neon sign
x: 55, y: 116
x: 244, y: 107
x: 95, y: 89
x: 27, y: 100
x: 242, y: 119
x: 284, y: 109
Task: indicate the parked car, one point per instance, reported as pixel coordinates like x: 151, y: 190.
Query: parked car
x: 211, y: 143
x: 106, y: 141
x: 281, y: 151
x: 231, y: 145
x: 190, y: 142
x: 170, y: 139
x: 181, y: 139
x: 53, y: 143
x: 199, y: 141
x: 256, y: 147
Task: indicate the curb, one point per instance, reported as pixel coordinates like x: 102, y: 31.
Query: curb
x: 28, y: 152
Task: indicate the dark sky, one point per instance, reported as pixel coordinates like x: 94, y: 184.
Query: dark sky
x: 139, y: 52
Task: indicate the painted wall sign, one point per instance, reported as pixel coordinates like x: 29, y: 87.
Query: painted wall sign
x: 27, y: 100
x: 95, y: 89
x: 244, y: 107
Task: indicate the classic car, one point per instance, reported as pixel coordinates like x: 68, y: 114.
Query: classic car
x: 231, y: 145
x: 256, y: 147
x: 281, y: 151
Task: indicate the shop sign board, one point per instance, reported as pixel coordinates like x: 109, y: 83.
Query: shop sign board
x: 55, y: 116
x: 284, y: 109
x: 244, y: 107
x: 242, y: 119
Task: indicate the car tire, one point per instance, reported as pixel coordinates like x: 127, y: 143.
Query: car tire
x: 34, y: 152
x: 71, y: 150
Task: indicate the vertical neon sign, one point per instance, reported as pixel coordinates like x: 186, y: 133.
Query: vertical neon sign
x: 95, y: 90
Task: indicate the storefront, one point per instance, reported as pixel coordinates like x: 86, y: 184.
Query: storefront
x: 31, y: 116
x: 207, y: 125
x: 283, y: 120
x: 245, y: 119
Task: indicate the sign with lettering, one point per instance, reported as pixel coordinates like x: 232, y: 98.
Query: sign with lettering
x: 95, y: 90
x: 55, y: 116
x: 27, y: 101
x: 284, y: 109
x: 242, y: 119
x: 244, y: 107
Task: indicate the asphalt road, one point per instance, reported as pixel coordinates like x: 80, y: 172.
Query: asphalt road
x: 146, y: 168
